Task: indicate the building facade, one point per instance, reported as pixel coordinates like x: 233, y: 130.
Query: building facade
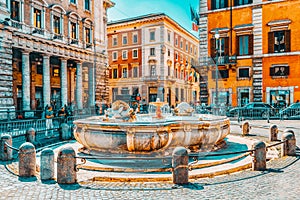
x: 52, y: 53
x: 257, y: 51
x: 151, y: 56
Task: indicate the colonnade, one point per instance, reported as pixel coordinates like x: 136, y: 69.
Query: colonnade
x: 76, y: 90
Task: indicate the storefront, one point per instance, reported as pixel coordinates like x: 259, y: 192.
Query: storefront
x: 280, y: 97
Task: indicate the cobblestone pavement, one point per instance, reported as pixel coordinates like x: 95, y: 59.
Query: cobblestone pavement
x: 280, y: 181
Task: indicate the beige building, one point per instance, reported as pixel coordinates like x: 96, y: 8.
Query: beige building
x: 52, y: 52
x: 150, y: 56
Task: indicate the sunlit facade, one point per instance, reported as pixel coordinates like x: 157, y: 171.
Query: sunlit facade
x: 258, y: 51
x: 151, y: 56
x: 53, y: 53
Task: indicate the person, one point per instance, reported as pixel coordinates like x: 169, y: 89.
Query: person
x: 61, y: 112
x: 97, y: 109
x: 49, y: 124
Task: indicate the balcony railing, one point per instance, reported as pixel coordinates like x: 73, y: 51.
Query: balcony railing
x: 16, y: 24
x: 220, y: 60
x: 150, y: 78
x: 38, y: 31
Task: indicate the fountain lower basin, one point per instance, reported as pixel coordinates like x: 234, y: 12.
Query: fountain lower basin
x: 150, y: 134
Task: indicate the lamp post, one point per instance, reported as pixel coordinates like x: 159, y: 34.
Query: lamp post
x: 217, y: 37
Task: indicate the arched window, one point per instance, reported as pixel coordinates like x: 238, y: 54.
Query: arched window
x: 74, y: 20
x: 56, y: 21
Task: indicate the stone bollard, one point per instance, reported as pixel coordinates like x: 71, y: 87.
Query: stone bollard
x: 66, y: 134
x: 245, y: 128
x: 180, y: 166
x: 6, y: 153
x: 259, y: 156
x: 47, y: 164
x: 273, y: 132
x: 289, y: 147
x: 30, y: 136
x: 66, y: 163
x: 27, y: 160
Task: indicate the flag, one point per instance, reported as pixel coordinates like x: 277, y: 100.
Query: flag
x: 194, y: 26
x: 190, y: 76
x: 194, y: 15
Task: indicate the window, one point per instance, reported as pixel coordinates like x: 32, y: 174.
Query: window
x: 37, y: 18
x: 220, y: 46
x: 73, y: 30
x: 245, y: 45
x: 191, y: 49
x: 134, y: 53
x: 281, y: 70
x: 152, y: 70
x: 124, y: 55
x: 87, y: 5
x: 169, y: 52
x: 115, y: 41
x: 124, y: 72
x: 88, y: 35
x: 242, y: 2
x: 56, y: 25
x: 176, y: 56
x: 186, y: 47
x: 134, y: 38
x: 279, y: 41
x: 115, y: 55
x: 176, y: 41
x: 152, y: 51
x: 244, y: 73
x: 15, y: 10
x: 135, y: 72
x: 169, y: 37
x: 217, y: 4
x: 181, y: 44
x: 124, y: 39
x: 55, y: 71
x: 152, y: 35
x: 115, y: 73
x: 223, y: 73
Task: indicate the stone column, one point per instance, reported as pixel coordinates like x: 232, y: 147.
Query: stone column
x: 46, y: 80
x: 259, y: 156
x: 92, y: 84
x: 245, y: 128
x: 180, y: 166
x: 78, y: 91
x: 25, y: 81
x: 273, y: 131
x: 6, y: 153
x: 64, y: 82
x: 72, y: 84
x: 289, y: 147
x: 27, y: 160
x: 66, y: 164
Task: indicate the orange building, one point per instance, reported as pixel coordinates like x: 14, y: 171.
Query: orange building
x: 150, y: 56
x: 257, y: 51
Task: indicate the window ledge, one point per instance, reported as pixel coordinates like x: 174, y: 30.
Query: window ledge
x: 277, y: 77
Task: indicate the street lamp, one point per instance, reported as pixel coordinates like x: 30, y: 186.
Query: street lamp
x: 217, y: 37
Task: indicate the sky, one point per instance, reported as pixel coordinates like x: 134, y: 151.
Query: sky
x: 178, y: 10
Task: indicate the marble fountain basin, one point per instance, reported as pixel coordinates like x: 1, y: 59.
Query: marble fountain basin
x: 148, y: 133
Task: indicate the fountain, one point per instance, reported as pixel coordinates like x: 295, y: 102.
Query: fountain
x: 122, y: 131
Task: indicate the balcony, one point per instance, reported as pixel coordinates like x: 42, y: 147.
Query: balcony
x: 171, y: 78
x: 150, y: 78
x: 16, y: 24
x: 222, y: 60
x: 74, y: 41
x: 38, y: 31
x: 58, y: 37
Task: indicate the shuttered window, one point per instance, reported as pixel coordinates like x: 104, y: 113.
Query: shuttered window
x: 218, y: 4
x: 244, y: 44
x: 279, y: 41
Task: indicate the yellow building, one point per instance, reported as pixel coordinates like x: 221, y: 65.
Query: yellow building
x: 257, y: 50
x: 150, y: 56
